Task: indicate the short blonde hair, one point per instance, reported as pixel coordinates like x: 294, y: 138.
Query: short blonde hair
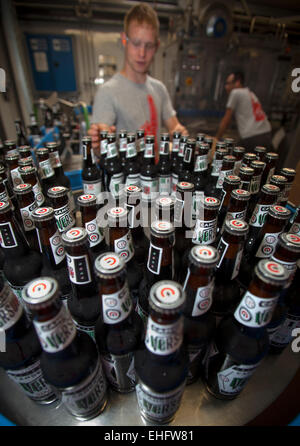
x: 142, y: 13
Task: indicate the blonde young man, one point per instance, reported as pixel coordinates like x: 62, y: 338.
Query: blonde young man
x: 132, y: 99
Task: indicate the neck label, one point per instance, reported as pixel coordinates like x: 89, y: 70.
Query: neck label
x: 164, y: 340
x: 254, y: 311
x: 116, y: 307
x: 124, y: 247
x: 79, y: 269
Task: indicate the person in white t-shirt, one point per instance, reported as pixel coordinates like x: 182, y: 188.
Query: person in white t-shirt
x: 253, y: 125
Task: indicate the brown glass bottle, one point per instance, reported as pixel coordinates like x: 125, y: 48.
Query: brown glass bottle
x: 102, y: 161
x: 177, y: 168
x: 246, y: 174
x: 120, y: 241
x: 199, y: 323
x: 122, y: 142
x: 3, y: 191
x: 210, y: 189
x: 226, y: 292
x: 132, y: 164
x: 164, y: 166
x: 162, y: 364
x: 70, y: 360
x: 52, y: 250
x: 26, y: 205
x: 241, y: 340
x: 248, y: 158
x: 24, y: 151
x: 226, y: 170
x: 13, y: 175
x: 164, y: 208
x: 281, y: 182
x: 10, y: 147
x: 230, y: 182
x: 140, y: 142
x: 91, y: 177
x: 238, y: 152
x: 160, y: 262
x: 289, y: 174
x: 271, y: 159
x: 21, y: 358
x: 58, y: 196
x: 200, y: 175
x: 260, y: 153
x: 45, y: 169
x: 29, y: 175
x: 21, y: 264
x: 206, y: 224
x: 119, y: 329
x: 88, y: 208
x: 28, y: 161
x: 175, y: 150
x: 148, y: 174
x: 83, y: 304
x: 230, y: 144
x: 113, y: 168
x: 237, y: 206
x: 295, y: 223
x: 188, y: 165
x: 255, y: 185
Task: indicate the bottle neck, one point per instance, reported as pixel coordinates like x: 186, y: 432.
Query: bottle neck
x: 160, y: 264
x: 198, y: 286
x: 51, y: 244
x: 116, y: 290
x: 164, y: 337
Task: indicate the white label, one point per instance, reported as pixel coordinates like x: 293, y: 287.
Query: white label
x: 46, y: 170
x: 295, y: 229
x: 57, y: 248
x: 123, y: 144
x: 88, y: 396
x: 254, y: 311
x: 237, y: 264
x: 241, y: 215
x: 28, y: 223
x: 95, y: 234
x: 159, y: 406
x: 174, y: 182
x: 164, y: 184
x: 64, y: 218
x: 103, y: 146
x: 163, y: 340
x: 178, y: 210
x: 124, y: 247
x: 216, y: 168
x: 205, y: 232
x: 115, y: 184
x: 233, y: 379
x: 149, y: 186
x: 92, y: 187
x: 32, y: 382
x: 255, y: 184
x: 16, y: 177
x: 222, y: 248
x: 133, y: 180
x: 56, y: 334
x: 236, y: 169
x: 38, y: 194
x: 55, y: 159
x: 7, y: 239
x: 131, y: 150
x: 111, y: 150
x: 268, y: 245
x: 188, y: 155
x: 259, y: 215
x: 117, y: 306
x: 149, y: 151
x: 79, y: 269
x: 201, y: 163
x: 10, y: 308
x: 203, y: 299
x: 154, y: 258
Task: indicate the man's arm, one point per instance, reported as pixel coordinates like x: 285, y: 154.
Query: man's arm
x: 173, y: 125
x: 224, y: 123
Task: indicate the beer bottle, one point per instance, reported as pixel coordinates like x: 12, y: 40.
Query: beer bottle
x: 295, y: 223
x: 21, y: 359
x: 102, y: 161
x: 52, y: 249
x: 119, y: 329
x: 241, y: 340
x: 226, y: 292
x: 21, y: 136
x: 164, y: 209
x: 83, y: 303
x: 133, y: 206
x: 229, y: 145
x: 226, y: 170
x: 284, y: 334
x: 206, y: 224
x: 260, y: 153
x: 176, y: 170
x: 230, y: 182
x: 289, y: 174
x: 88, y: 211
x: 62, y: 210
x: 186, y: 173
x: 210, y: 189
x: 9, y: 190
x: 140, y: 142
x: 199, y: 323
x: 14, y: 177
x: 237, y: 207
x: 200, y: 175
x: 248, y: 158
x: 10, y: 147
x: 120, y: 241
x: 3, y: 191
x: 70, y: 360
x: 238, y: 152
x: 29, y: 175
x: 175, y: 149
x: 246, y: 174
x: 91, y: 177
x: 271, y: 159
x: 26, y: 205
x: 160, y: 263
x: 24, y: 151
x: 22, y: 264
x: 132, y: 166
x: 122, y: 147
x: 209, y: 140
x: 162, y: 364
x: 164, y: 166
x: 23, y: 162
x: 115, y: 175
x: 148, y: 175
x: 281, y: 182
x: 34, y: 130
x: 255, y: 185
x: 45, y: 170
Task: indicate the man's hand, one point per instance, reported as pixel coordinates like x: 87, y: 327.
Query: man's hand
x: 173, y: 125
x: 94, y: 132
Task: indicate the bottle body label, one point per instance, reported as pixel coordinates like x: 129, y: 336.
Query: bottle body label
x: 11, y: 310
x: 232, y: 380
x: 55, y: 159
x: 31, y: 380
x: 159, y: 407
x: 119, y: 370
x: 16, y: 177
x: 87, y: 398
x: 124, y: 247
x: 46, y: 169
x: 133, y: 180
x: 222, y: 175
x: 254, y: 311
x: 8, y: 239
x: 115, y: 184
x: 56, y: 334
x: 92, y: 187
x: 267, y: 246
x: 38, y: 194
x: 259, y: 215
x: 28, y: 223
x: 95, y: 234
x: 117, y: 306
x: 216, y: 167
x: 57, y: 248
x: 149, y: 186
x: 154, y: 259
x: 201, y: 163
x: 205, y: 232
x: 64, y: 218
x: 202, y: 296
x: 163, y: 339
x: 164, y: 184
x: 79, y: 269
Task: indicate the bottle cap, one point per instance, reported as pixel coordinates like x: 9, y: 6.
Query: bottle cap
x: 278, y: 179
x: 133, y: 191
x: 279, y: 212
x: 75, y: 237
x: 211, y: 203
x: 162, y: 228
x: 11, y: 157
x: 109, y: 264
x: 232, y: 179
x: 40, y: 292
x: 260, y: 149
x: 272, y: 155
x: 87, y: 139
x: 184, y: 186
x: 24, y: 148
x: 42, y: 151
x: 241, y: 194
x: 4, y: 207
x: 236, y: 227
x: 270, y: 189
x: 288, y: 172
x: 57, y: 191
x: 246, y: 170
x: 164, y: 202
x: 249, y: 156
x: 289, y: 241
x: 117, y: 213
x: 22, y: 189
x: 272, y: 272
x: 52, y: 145
x: 28, y: 161
x: 167, y: 297
x: 257, y: 165
x: 26, y: 170
x: 204, y: 255
x: 239, y: 149
x: 87, y: 200
x: 43, y: 214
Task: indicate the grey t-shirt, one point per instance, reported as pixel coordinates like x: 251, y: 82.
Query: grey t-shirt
x: 132, y: 106
x: 250, y: 117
